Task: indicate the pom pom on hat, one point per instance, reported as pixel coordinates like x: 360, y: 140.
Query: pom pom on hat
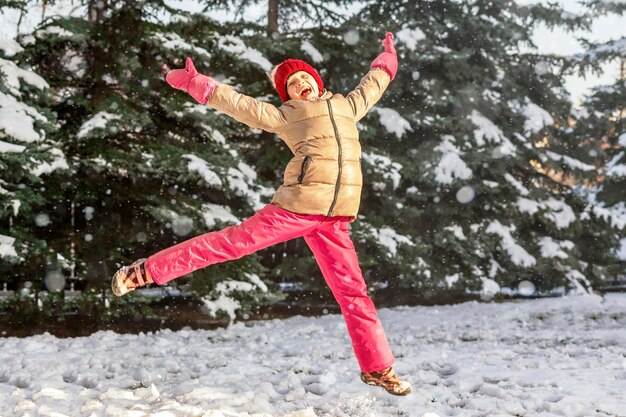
x: 280, y: 74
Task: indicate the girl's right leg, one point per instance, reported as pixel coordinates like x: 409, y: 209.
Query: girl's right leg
x: 268, y: 226
x: 337, y: 258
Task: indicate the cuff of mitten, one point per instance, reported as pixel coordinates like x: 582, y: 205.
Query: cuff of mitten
x: 203, y: 95
x: 384, y: 68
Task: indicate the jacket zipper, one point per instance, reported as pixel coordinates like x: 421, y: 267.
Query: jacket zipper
x: 339, y: 151
x: 305, y: 166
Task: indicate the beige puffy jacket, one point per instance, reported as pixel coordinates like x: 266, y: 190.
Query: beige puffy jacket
x: 324, y: 175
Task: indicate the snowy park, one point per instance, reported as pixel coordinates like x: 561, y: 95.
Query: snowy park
x: 550, y: 357
x: 459, y: 164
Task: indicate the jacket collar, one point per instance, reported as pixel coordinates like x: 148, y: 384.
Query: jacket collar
x: 326, y: 95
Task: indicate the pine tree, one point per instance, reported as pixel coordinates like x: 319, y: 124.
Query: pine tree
x: 287, y: 16
x: 601, y: 122
x: 30, y: 163
x: 311, y: 31
x: 601, y: 125
x: 469, y: 179
x: 460, y: 154
x: 468, y: 159
x: 150, y: 166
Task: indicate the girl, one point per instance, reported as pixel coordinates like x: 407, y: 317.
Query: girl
x: 319, y: 196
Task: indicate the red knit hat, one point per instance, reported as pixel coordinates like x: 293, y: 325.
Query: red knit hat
x: 283, y: 70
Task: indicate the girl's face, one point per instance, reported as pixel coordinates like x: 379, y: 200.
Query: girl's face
x: 302, y: 86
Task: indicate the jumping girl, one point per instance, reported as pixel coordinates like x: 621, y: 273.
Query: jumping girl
x: 319, y: 197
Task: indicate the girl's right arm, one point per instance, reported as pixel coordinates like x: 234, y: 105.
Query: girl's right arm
x: 245, y: 109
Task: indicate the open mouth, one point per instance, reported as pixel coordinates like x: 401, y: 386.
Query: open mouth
x: 306, y: 91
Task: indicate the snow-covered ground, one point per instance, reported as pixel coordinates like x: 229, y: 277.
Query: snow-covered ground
x: 550, y: 357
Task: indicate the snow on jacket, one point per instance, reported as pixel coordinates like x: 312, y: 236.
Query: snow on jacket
x: 324, y: 175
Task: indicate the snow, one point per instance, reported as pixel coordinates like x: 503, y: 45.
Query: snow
x: 617, y: 171
x: 517, y: 184
x: 536, y: 117
x: 410, y: 37
x: 201, y: 166
x: 488, y: 132
x: 217, y: 136
x: 562, y: 214
x: 98, y: 121
x: 616, y: 47
x: 387, y: 237
x: 450, y: 166
x: 457, y: 231
x: 616, y: 214
x: 212, y: 212
x: 13, y: 74
x: 518, y: 254
x: 6, y: 147
x: 489, y: 288
x: 614, y: 168
x: 224, y: 302
x: 177, y: 44
x: 256, y: 280
x: 577, y: 279
x: 53, y: 30
x: 494, y: 268
x: 391, y: 239
x: 411, y: 190
x: 486, y: 129
x: 17, y: 120
x: 392, y: 121
x: 526, y: 205
x: 312, y: 51
x: 571, y: 162
x: 492, y: 96
x: 551, y: 248
x: 383, y: 165
x: 59, y: 162
x: 452, y: 279
x: 549, y: 357
x: 10, y: 47
x: 236, y: 46
x: 247, y: 170
x: 557, y: 211
x: 622, y: 140
x: 6, y: 246
x: 621, y: 250
x: 16, y: 204
x: 242, y: 181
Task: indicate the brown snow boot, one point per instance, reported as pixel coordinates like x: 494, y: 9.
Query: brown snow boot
x: 388, y: 380
x: 128, y: 278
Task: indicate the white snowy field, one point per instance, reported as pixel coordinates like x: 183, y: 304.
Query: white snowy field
x: 550, y: 357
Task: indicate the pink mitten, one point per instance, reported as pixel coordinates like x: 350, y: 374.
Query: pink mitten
x: 197, y: 85
x: 388, y: 60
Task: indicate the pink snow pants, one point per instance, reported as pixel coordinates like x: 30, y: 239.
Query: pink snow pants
x: 329, y: 240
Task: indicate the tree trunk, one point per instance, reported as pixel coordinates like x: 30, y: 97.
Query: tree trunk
x: 272, y: 17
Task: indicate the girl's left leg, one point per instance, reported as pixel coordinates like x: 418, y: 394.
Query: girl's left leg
x: 335, y: 254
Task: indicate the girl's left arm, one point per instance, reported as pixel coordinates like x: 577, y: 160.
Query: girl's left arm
x: 373, y: 85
